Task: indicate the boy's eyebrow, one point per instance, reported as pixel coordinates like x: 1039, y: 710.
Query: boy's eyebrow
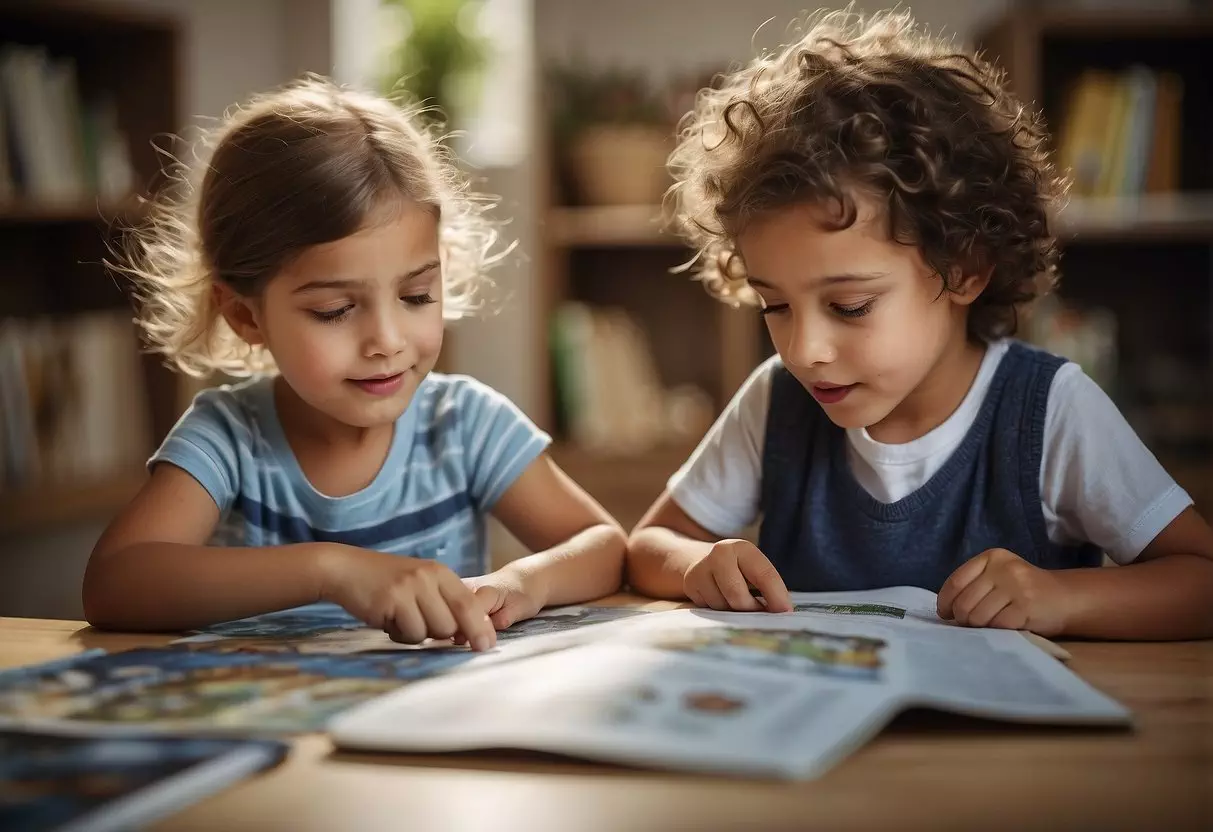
x: 848, y: 277
x: 314, y: 285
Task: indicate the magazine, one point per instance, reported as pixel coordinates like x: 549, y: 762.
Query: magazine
x: 784, y: 695
x: 326, y: 629
x: 66, y: 781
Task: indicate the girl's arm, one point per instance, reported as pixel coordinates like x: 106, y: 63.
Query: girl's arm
x: 579, y: 548
x: 1167, y: 593
x: 151, y: 569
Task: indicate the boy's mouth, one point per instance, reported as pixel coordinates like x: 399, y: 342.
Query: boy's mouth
x: 379, y: 385
x: 831, y: 393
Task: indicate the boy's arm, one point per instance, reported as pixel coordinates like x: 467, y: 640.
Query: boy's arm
x: 663, y: 546
x: 151, y: 570
x: 1167, y: 593
x: 578, y: 546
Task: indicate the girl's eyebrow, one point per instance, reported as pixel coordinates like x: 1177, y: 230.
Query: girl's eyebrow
x: 316, y: 285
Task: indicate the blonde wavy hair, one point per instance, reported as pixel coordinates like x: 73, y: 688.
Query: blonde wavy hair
x: 303, y: 165
x: 874, y: 106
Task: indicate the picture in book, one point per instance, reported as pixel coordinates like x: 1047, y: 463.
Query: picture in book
x: 884, y: 610
x: 332, y: 630
x: 49, y: 780
x: 184, y: 688
x: 798, y: 651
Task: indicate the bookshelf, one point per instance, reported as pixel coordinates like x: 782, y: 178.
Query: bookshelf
x: 1138, y: 241
x: 87, y: 88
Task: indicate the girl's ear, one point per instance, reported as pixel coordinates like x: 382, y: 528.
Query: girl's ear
x: 240, y: 313
x: 969, y: 287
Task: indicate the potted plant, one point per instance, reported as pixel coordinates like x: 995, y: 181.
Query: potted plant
x: 614, y: 133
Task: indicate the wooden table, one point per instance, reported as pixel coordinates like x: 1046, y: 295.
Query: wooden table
x: 925, y: 771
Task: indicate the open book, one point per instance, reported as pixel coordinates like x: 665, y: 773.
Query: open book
x: 783, y: 695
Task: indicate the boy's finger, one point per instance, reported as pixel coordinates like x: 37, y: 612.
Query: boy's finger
x: 969, y: 599
x: 407, y: 624
x: 964, y: 575
x: 760, y: 572
x: 439, y: 622
x: 736, y: 592
x: 711, y: 593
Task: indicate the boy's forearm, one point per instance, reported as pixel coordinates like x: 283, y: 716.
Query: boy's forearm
x: 587, y: 566
x: 173, y: 586
x: 658, y: 558
x: 1165, y: 599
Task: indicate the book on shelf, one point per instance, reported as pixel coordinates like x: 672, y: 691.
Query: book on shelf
x: 1120, y: 132
x: 72, y: 399
x: 786, y: 695
x: 609, y: 393
x: 56, y: 145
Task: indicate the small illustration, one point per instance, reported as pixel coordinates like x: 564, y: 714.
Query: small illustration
x: 298, y: 623
x: 685, y: 706
x: 852, y: 609
x: 798, y: 651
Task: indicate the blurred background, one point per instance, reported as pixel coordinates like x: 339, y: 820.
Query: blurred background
x: 565, y: 108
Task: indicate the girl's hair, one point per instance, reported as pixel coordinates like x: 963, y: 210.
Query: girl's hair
x: 874, y: 106
x: 307, y: 164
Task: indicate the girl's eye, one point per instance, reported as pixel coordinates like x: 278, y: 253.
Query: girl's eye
x: 330, y: 316
x: 857, y: 311
x: 773, y: 309
x: 418, y: 300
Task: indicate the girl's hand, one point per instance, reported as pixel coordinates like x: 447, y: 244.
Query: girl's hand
x: 1000, y: 589
x: 410, y: 599
x: 722, y: 579
x: 508, y: 596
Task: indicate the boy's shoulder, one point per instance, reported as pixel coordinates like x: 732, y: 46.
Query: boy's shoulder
x: 446, y: 391
x: 239, y: 401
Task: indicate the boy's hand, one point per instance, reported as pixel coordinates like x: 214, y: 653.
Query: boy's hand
x: 508, y: 596
x: 1000, y: 589
x: 411, y: 599
x: 722, y: 580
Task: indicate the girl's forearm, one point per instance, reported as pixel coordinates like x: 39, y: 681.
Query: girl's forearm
x: 587, y: 566
x: 173, y: 586
x: 1165, y: 599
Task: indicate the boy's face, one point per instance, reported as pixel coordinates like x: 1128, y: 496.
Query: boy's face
x: 860, y: 320
x: 355, y: 325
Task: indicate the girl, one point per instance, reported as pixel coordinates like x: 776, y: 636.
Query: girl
x: 886, y: 202
x: 328, y: 242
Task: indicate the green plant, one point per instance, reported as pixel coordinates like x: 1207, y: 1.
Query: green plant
x: 581, y: 97
x: 439, y: 49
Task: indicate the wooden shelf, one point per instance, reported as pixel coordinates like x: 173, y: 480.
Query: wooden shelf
x: 1181, y: 216
x: 609, y: 226
x: 24, y: 212
x: 50, y: 505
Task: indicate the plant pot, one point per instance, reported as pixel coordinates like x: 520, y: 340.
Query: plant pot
x: 618, y: 164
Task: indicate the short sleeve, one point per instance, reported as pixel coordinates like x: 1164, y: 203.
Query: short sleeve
x: 499, y: 441
x: 719, y: 487
x: 205, y: 444
x: 1099, y: 482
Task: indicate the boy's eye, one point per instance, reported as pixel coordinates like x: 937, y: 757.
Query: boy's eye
x: 854, y: 310
x: 773, y: 308
x: 329, y: 316
x: 418, y: 300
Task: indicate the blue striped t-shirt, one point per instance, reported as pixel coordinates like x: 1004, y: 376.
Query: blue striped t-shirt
x: 456, y: 449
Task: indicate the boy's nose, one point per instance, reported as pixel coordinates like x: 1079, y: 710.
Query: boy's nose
x: 386, y: 337
x: 808, y: 349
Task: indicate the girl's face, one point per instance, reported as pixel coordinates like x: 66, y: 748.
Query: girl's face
x: 355, y: 325
x: 860, y: 320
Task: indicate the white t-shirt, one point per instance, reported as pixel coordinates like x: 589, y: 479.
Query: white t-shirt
x: 1098, y: 482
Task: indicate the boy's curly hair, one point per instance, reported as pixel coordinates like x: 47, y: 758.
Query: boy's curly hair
x: 875, y: 106
x: 309, y: 163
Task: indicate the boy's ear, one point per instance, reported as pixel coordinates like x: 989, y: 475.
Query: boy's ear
x: 240, y: 313
x: 967, y: 288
